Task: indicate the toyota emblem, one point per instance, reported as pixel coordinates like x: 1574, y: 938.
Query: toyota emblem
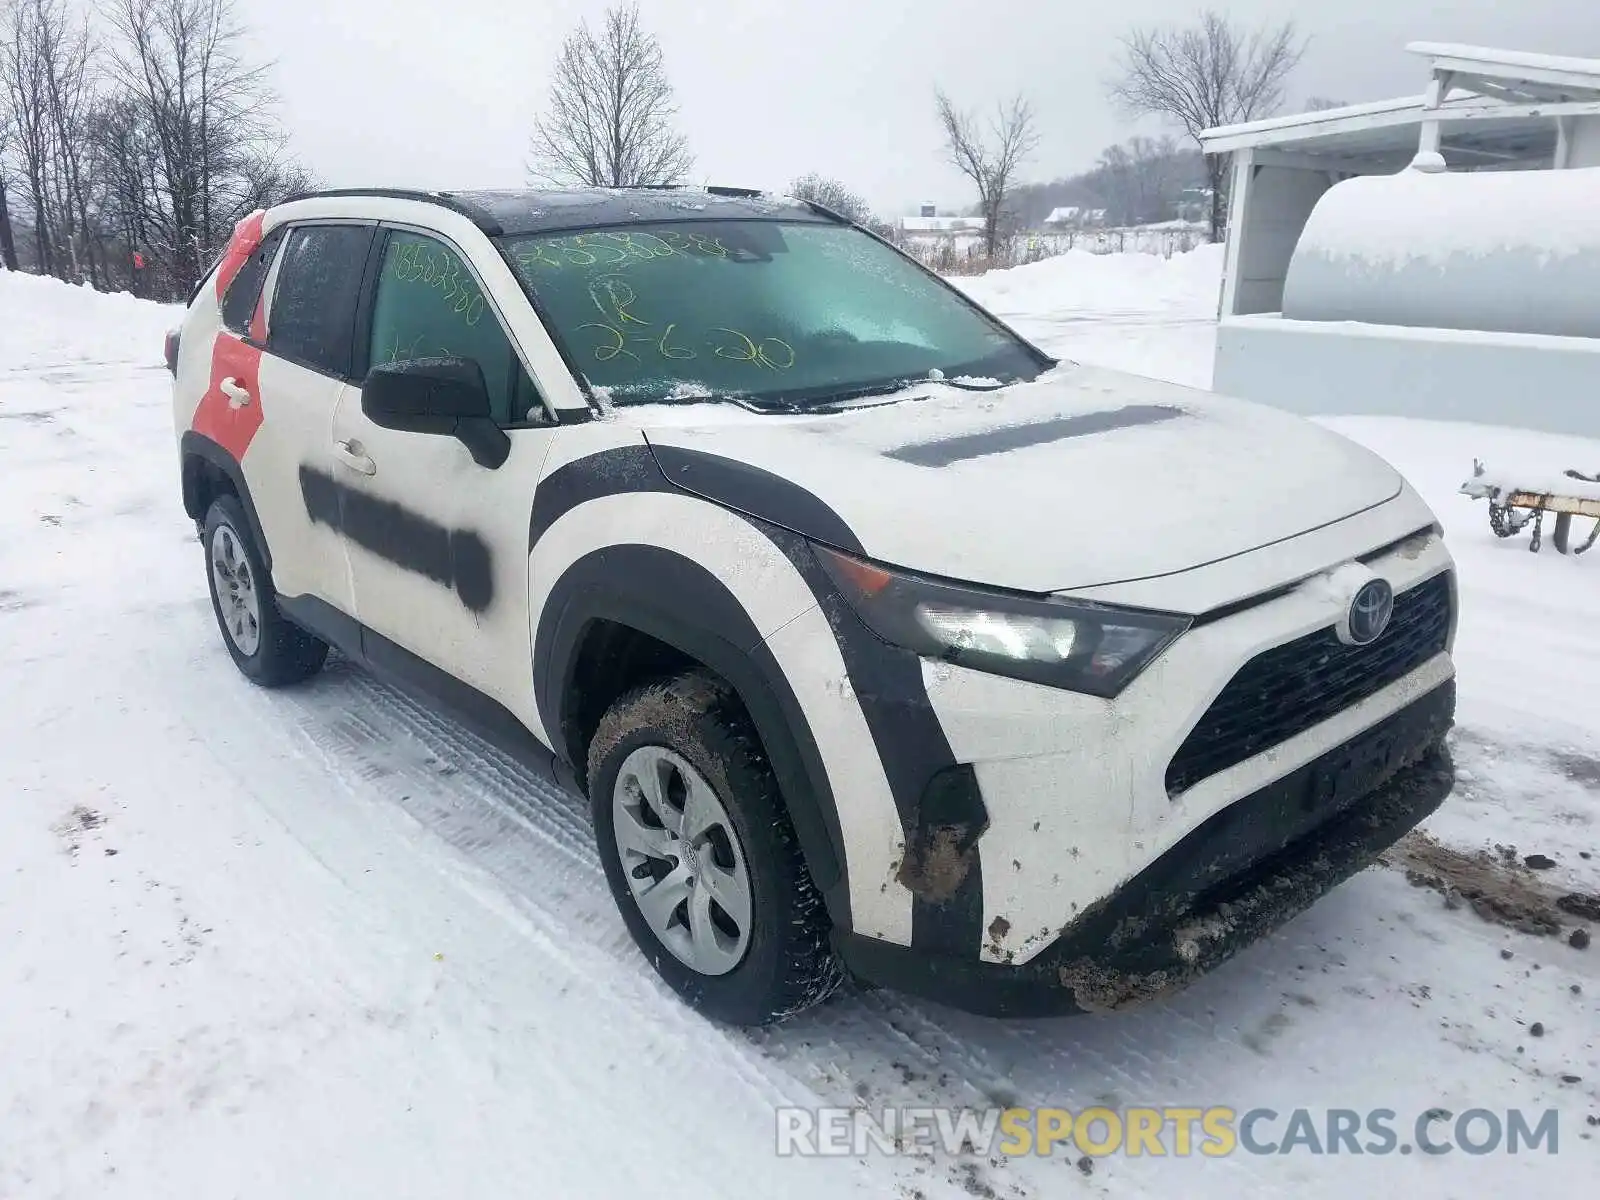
x: 1370, y: 611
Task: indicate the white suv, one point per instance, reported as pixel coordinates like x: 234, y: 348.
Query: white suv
x: 882, y: 644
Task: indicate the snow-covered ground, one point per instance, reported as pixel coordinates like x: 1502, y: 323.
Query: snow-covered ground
x: 1136, y: 312
x: 320, y: 942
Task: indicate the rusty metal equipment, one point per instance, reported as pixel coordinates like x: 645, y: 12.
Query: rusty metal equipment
x: 1515, y: 503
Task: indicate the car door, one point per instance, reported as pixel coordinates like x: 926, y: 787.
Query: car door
x: 303, y: 326
x: 437, y: 544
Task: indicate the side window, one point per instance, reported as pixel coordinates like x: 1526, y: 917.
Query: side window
x: 429, y: 305
x: 239, y: 305
x: 314, y: 299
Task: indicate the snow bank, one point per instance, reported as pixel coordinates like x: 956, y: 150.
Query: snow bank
x: 1108, y: 283
x: 1130, y: 312
x: 44, y: 322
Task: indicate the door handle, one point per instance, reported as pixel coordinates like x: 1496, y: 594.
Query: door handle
x: 350, y: 455
x: 237, y: 396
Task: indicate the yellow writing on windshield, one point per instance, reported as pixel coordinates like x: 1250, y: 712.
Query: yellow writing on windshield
x: 770, y: 352
x: 746, y: 349
x: 670, y: 351
x: 614, y: 248
x: 610, y: 349
x: 691, y: 243
x: 614, y: 297
x: 601, y: 258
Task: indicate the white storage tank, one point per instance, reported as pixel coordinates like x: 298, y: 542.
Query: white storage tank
x: 1509, y: 251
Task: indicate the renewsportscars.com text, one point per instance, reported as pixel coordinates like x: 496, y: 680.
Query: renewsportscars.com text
x: 1169, y: 1131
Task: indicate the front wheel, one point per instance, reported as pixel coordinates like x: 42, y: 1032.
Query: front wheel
x: 701, y: 856
x: 265, y: 646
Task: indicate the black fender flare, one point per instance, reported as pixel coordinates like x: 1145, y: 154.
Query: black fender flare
x: 196, y: 447
x: 929, y: 787
x: 683, y: 605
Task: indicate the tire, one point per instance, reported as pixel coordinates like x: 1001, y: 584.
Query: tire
x: 694, y: 731
x: 265, y: 646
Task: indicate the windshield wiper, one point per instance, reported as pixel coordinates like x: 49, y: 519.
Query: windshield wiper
x: 896, y: 391
x: 684, y: 399
x: 967, y: 385
x: 839, y: 401
x: 842, y: 401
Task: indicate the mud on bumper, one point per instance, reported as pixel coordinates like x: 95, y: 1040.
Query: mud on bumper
x: 1237, y: 877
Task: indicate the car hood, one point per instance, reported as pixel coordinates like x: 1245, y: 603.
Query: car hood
x: 1081, y: 478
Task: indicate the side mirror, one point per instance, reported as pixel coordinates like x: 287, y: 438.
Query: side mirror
x: 444, y: 396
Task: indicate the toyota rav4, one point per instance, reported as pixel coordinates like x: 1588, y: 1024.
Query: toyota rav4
x: 882, y: 644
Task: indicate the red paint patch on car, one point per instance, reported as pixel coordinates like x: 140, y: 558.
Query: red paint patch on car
x: 230, y: 415
x: 246, y: 238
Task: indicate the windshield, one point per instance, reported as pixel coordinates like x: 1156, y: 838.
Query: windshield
x: 778, y: 315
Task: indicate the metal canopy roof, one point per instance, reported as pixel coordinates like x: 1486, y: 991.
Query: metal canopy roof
x: 1514, y: 74
x: 1506, y: 114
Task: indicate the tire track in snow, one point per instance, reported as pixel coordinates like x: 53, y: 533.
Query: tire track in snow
x: 411, y: 755
x: 529, y: 864
x: 510, y: 982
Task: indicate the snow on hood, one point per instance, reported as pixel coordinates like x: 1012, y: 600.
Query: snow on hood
x: 1083, y: 478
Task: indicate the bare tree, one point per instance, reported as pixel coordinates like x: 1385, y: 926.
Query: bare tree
x: 611, y: 111
x: 267, y: 175
x: 1206, y: 75
x: 8, y: 242
x: 148, y: 148
x: 198, y: 115
x: 121, y: 159
x: 23, y: 75
x: 989, y: 155
x: 830, y: 193
x: 1140, y: 179
x: 66, y: 52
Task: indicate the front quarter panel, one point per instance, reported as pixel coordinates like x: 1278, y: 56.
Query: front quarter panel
x: 611, y: 537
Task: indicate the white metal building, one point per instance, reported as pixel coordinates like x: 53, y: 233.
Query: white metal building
x: 1454, y: 283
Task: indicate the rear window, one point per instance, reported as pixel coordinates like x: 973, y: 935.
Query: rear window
x: 314, y: 301
x: 239, y: 305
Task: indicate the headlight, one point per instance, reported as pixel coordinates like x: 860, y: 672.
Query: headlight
x: 1071, y: 644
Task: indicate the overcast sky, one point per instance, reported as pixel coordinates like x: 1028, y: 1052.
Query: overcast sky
x: 441, y: 93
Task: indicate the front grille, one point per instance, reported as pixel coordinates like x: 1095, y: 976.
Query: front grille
x: 1290, y: 688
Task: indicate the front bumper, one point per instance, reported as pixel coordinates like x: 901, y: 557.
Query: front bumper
x: 1234, y: 878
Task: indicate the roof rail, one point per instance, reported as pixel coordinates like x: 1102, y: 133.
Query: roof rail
x: 822, y: 210
x: 714, y: 189
x: 478, y: 216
